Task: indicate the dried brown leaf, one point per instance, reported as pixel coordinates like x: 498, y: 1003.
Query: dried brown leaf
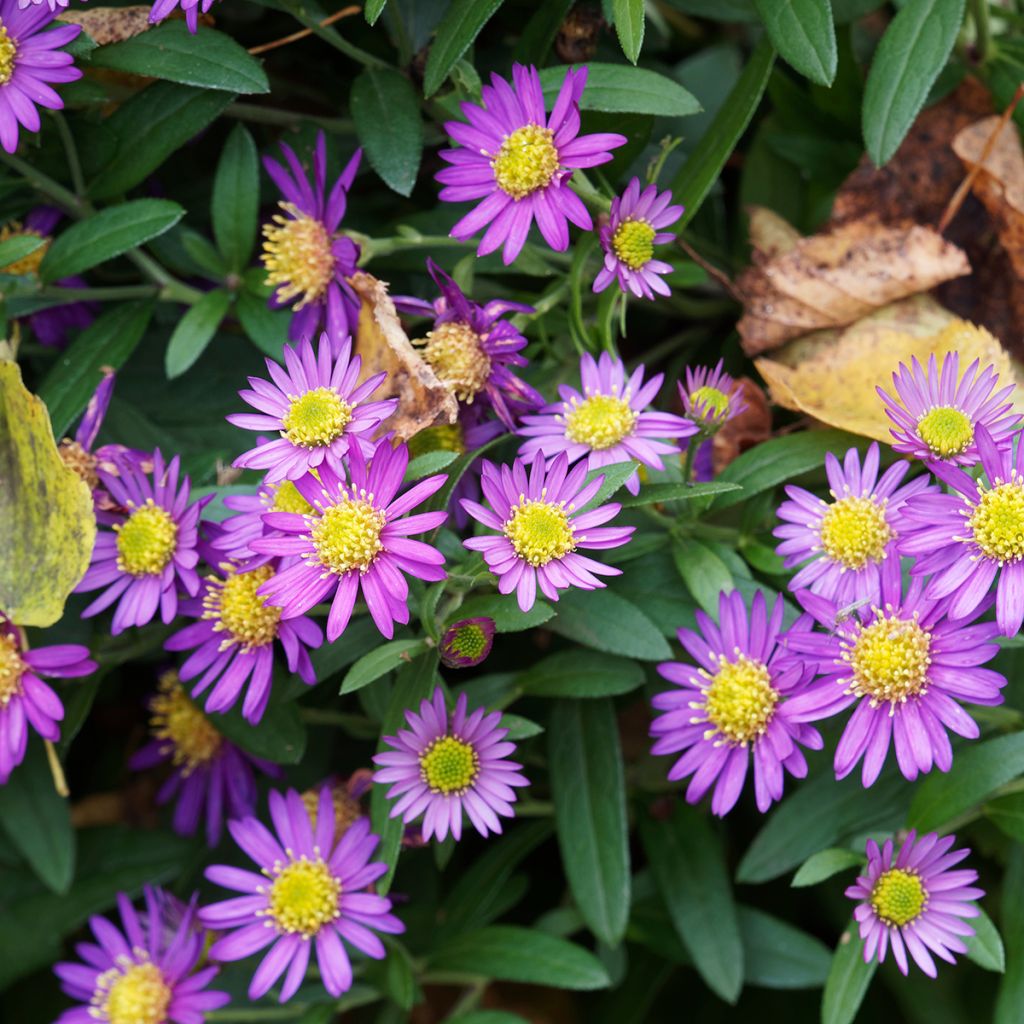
x: 110, y: 24
x: 750, y: 427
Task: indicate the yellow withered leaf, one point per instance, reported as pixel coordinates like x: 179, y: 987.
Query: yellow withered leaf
x: 45, y: 507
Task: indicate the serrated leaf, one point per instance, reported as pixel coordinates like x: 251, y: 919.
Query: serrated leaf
x: 234, y: 205
x: 629, y: 26
x: 848, y: 980
x: 370, y: 667
x: 620, y: 89
x: 580, y: 673
x: 803, y: 33
x: 195, y: 331
x: 459, y: 27
x: 386, y: 113
x: 605, y: 621
x: 824, y: 864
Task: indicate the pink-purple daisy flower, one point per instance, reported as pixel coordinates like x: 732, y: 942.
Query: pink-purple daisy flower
x: 846, y: 543
x: 25, y: 700
x: 711, y: 397
x: 466, y: 643
x: 609, y: 422
x: 151, y: 551
x: 542, y: 527
x: 734, y: 705
x: 143, y: 972
x: 915, y: 902
x: 518, y: 161
x: 936, y: 412
x: 308, y: 895
x: 635, y: 226
x: 444, y: 765
x: 974, y: 537
x: 162, y: 9
x: 317, y: 407
x: 907, y: 665
x: 235, y: 534
x: 358, y: 538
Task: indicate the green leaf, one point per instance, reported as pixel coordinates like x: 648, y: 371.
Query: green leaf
x: 615, y: 476
x: 589, y: 791
x: 510, y: 953
x: 629, y: 26
x: 1011, y: 989
x: 824, y: 864
x: 461, y: 24
x: 384, y: 659
x: 428, y: 464
x: 606, y: 622
x: 580, y: 673
x: 520, y: 728
x: 1008, y: 813
x: 777, y: 955
x: 658, y: 494
x: 694, y: 179
x: 107, y: 234
x: 803, y: 33
x: 361, y: 636
x: 372, y: 10
x: 487, y: 1017
x: 908, y: 60
x: 207, y: 59
x: 266, y: 328
x: 979, y: 769
x: 620, y: 89
x: 386, y: 113
x: 234, y: 206
x: 280, y: 735
x: 16, y: 248
x: 848, y: 980
x: 504, y: 609
x: 37, y: 820
x: 985, y: 946
x: 195, y: 331
x: 705, y: 574
x: 688, y: 864
x: 533, y: 45
x: 108, y: 341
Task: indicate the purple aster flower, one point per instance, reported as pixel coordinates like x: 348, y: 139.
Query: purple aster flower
x: 541, y: 528
x: 915, y: 902
x: 143, y: 972
x: 52, y: 4
x: 357, y: 537
x: 711, y: 397
x: 150, y: 551
x: 905, y: 663
x: 519, y: 162
x: 31, y: 59
x: 307, y: 895
x: 318, y: 408
x: 162, y: 9
x: 446, y: 764
x: 25, y: 700
x: 210, y: 777
x: 234, y: 640
x: 346, y: 799
x: 467, y: 643
x: 308, y: 260
x: 238, y: 531
x: 734, y: 704
x: 936, y: 413
x: 849, y: 540
x: 471, y: 348
x: 969, y: 538
x: 607, y: 423
x: 635, y: 226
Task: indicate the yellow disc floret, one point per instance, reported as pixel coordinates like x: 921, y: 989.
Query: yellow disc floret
x: 297, y: 255
x: 997, y: 523
x: 27, y: 265
x: 709, y: 402
x: 526, y: 162
x: 12, y: 668
x: 946, y: 431
x: 740, y: 700
x: 347, y: 535
x: 303, y: 897
x: 600, y: 421
x: 889, y: 659
x: 454, y: 353
x: 316, y: 418
x: 288, y: 498
x: 136, y: 993
x: 633, y: 243
x: 449, y: 765
x: 194, y: 742
x: 540, y: 531
x: 146, y: 541
x: 898, y: 897
x: 855, y: 531
x: 8, y: 54
x: 239, y: 611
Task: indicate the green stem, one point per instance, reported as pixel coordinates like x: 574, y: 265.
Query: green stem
x: 333, y: 37
x: 110, y: 294
x: 535, y: 809
x: 983, y: 44
x: 287, y: 118
x: 259, y: 1013
x: 42, y: 183
x: 589, y: 194
x: 691, y: 454
x: 71, y: 151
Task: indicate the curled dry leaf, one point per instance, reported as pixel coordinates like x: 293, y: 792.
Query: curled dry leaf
x: 383, y: 345
x: 110, y: 24
x: 835, y: 278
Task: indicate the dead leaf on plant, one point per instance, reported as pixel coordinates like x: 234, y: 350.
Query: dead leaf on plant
x: 106, y: 25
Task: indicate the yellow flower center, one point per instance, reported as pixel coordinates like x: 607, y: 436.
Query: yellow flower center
x: 997, y: 523
x: 454, y: 353
x: 540, y: 531
x: 288, y: 498
x: 600, y: 421
x: 449, y: 765
x: 8, y: 54
x: 633, y: 243
x: 173, y: 717
x: 740, y: 700
x: 712, y: 402
x: 469, y: 641
x: 890, y: 659
x: 854, y: 531
x: 27, y: 264
x: 898, y: 897
x: 79, y: 461
x: 303, y: 897
x: 297, y: 255
x: 347, y: 535
x: 946, y: 431
x: 12, y: 667
x: 526, y: 162
x: 316, y: 418
x: 239, y: 611
x: 135, y: 994
x: 444, y: 438
x: 146, y: 541
x: 346, y: 808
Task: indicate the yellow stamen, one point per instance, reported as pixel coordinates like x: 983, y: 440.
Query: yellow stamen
x: 316, y: 418
x: 946, y: 431
x: 526, y: 162
x: 12, y: 668
x: 710, y: 401
x: 288, y: 498
x: 27, y: 264
x: 193, y: 740
x: 740, y: 700
x: 889, y: 659
x: 540, y: 531
x: 239, y: 612
x: 347, y: 535
x: 8, y: 54
x: 600, y: 421
x: 633, y: 243
x: 449, y: 765
x: 303, y: 897
x: 132, y: 993
x: 899, y: 896
x: 146, y: 541
x: 454, y: 353
x: 997, y: 523
x: 855, y: 531
x: 297, y: 255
